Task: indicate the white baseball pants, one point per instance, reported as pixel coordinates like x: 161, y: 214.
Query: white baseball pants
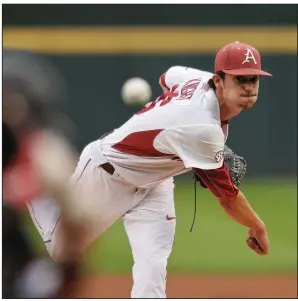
x: 148, y: 216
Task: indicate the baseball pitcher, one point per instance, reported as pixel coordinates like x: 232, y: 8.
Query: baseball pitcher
x: 130, y: 170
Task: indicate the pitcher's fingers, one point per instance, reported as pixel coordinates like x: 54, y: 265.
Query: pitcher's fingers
x: 263, y: 242
x: 250, y: 243
x: 258, y: 250
x: 254, y: 245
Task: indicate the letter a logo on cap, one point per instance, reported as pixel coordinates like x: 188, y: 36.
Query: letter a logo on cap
x: 249, y: 56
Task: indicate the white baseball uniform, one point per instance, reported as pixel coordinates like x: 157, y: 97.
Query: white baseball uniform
x: 179, y: 131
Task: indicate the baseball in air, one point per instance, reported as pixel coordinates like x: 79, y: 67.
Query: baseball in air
x: 136, y: 91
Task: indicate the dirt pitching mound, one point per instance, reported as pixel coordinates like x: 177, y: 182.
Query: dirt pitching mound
x: 194, y: 286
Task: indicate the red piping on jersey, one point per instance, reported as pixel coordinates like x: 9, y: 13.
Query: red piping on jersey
x: 140, y: 144
x: 163, y: 81
x: 219, y: 182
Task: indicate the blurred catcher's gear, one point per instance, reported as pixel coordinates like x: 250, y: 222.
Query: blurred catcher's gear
x: 24, y: 273
x: 33, y: 92
x: 32, y: 79
x: 236, y: 165
x: 9, y: 145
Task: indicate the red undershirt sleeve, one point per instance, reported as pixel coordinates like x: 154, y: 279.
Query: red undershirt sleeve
x: 219, y: 182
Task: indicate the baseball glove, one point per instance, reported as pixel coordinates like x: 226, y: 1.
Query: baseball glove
x: 235, y: 164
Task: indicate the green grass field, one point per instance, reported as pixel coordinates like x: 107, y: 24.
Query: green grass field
x: 217, y: 243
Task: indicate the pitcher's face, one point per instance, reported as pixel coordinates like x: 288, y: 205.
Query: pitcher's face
x: 237, y: 93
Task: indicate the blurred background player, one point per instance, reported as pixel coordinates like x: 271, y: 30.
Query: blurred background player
x: 37, y: 160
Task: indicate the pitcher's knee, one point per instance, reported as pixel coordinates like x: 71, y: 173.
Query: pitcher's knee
x: 149, y: 279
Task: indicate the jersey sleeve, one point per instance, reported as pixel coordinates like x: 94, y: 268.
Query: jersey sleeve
x: 178, y: 74
x: 199, y: 146
x: 219, y: 182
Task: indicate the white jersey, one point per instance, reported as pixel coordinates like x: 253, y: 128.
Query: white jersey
x: 179, y: 131
x: 179, y: 74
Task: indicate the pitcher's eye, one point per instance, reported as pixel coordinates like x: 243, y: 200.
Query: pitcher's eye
x: 244, y: 79
x: 254, y: 79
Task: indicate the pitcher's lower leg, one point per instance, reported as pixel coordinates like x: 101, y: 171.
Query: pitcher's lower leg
x: 149, y: 277
x: 150, y: 227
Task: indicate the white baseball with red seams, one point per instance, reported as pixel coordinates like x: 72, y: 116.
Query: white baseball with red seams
x: 136, y: 91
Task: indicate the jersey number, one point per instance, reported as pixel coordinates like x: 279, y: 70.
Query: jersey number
x: 161, y: 100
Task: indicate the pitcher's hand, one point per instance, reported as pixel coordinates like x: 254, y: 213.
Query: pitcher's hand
x: 258, y: 240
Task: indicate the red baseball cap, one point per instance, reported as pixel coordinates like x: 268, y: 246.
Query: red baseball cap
x: 239, y: 59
